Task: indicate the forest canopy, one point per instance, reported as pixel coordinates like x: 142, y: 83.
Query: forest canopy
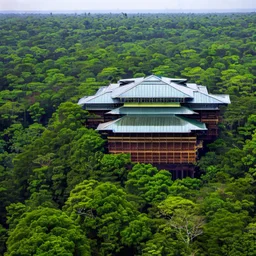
x: 61, y: 194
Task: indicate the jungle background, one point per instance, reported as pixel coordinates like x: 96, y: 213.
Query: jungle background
x: 61, y: 195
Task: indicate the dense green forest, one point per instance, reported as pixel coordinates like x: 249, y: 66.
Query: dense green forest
x: 60, y: 194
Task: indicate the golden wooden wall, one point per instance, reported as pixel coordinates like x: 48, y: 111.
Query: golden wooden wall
x: 156, y: 149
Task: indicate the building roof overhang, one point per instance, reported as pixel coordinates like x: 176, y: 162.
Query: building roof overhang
x: 154, y: 87
x: 152, y: 124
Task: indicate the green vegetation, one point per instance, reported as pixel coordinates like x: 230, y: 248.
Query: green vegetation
x: 61, y: 195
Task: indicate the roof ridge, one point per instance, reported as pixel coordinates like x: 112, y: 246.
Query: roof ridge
x: 160, y: 80
x: 210, y: 95
x: 193, y: 122
x: 135, y: 85
x: 106, y: 124
x: 177, y: 88
x: 148, y: 77
x: 96, y: 96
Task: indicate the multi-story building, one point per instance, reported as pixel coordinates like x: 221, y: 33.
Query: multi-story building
x: 157, y: 120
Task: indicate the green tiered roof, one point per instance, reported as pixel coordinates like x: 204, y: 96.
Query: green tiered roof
x: 156, y: 88
x: 153, y: 105
x: 152, y: 124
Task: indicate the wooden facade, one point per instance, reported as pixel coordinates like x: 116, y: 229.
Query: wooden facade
x: 156, y: 148
x: 211, y: 118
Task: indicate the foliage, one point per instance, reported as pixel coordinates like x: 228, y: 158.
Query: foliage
x: 147, y: 182
x: 46, y: 231
x: 50, y: 161
x: 105, y: 216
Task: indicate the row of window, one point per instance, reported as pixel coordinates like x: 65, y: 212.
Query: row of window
x: 151, y: 147
x: 180, y: 100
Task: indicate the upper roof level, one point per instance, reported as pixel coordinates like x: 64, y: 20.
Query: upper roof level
x: 152, y: 89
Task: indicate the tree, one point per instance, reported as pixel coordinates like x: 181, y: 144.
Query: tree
x: 110, y: 73
x: 147, y: 182
x: 47, y: 231
x: 222, y: 232
x: 249, y: 159
x: 187, y: 187
x: 248, y: 129
x: 172, y: 203
x: 194, y: 73
x: 187, y: 224
x: 114, y: 168
x: 36, y: 112
x: 3, y: 238
x: 65, y: 148
x: 17, y: 137
x: 103, y: 213
x: 162, y: 244
x: 184, y: 217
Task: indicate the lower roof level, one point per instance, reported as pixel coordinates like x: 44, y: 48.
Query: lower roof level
x: 152, y: 124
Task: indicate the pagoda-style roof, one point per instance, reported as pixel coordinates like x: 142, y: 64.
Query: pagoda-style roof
x: 155, y: 89
x: 155, y: 119
x: 152, y: 124
x: 152, y: 111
